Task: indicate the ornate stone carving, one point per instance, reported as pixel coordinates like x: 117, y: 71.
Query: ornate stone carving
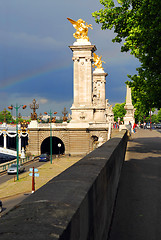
x: 82, y: 116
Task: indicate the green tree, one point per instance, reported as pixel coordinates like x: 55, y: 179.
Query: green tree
x: 9, y: 118
x: 159, y: 115
x: 119, y: 111
x: 140, y: 101
x: 154, y: 118
x: 137, y: 23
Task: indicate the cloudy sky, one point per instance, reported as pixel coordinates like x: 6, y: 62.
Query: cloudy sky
x: 36, y: 62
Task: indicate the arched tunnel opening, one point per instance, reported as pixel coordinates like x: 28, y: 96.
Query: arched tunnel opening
x: 57, y: 146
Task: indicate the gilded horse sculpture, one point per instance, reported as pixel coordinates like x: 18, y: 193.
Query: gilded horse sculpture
x: 81, y: 29
x: 97, y: 61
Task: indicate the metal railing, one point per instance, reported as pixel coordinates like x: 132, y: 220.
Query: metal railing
x: 5, y: 166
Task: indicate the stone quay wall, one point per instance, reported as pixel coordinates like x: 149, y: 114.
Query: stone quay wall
x: 77, y: 204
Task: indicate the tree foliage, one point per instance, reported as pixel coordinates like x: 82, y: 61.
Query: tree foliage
x: 9, y: 118
x: 159, y: 115
x: 119, y: 111
x: 154, y: 118
x: 137, y: 24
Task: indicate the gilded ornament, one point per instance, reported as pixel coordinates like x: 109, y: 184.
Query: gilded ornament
x: 81, y: 28
x: 97, y: 61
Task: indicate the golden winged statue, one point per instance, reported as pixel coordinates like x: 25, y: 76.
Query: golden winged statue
x: 97, y: 61
x: 81, y: 28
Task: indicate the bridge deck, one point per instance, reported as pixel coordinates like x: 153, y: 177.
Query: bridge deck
x: 137, y: 214
x: 8, y: 151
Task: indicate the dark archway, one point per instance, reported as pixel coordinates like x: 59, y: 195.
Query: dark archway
x: 45, y: 146
x: 24, y: 141
x: 1, y: 141
x: 11, y: 142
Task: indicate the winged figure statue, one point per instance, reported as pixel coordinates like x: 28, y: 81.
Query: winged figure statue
x: 81, y: 28
x: 97, y: 61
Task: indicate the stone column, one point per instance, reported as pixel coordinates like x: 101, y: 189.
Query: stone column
x: 129, y: 116
x: 19, y: 143
x: 82, y: 57
x: 5, y: 139
x: 99, y: 98
x: 82, y: 109
x: 99, y: 82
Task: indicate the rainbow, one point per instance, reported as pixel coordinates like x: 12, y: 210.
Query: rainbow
x: 9, y: 82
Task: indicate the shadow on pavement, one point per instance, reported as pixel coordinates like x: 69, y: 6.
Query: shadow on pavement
x: 137, y: 214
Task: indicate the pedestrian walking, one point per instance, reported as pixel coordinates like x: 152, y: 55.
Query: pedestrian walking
x: 134, y: 127
x: 144, y: 125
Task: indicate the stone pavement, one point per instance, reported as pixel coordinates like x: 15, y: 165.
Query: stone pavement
x: 46, y: 172
x: 137, y: 214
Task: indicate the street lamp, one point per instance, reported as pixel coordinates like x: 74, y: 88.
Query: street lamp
x: 59, y: 146
x: 51, y: 144
x: 17, y: 143
x: 34, y: 106
x: 19, y: 117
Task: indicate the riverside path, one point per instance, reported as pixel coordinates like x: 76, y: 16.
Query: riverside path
x: 137, y: 214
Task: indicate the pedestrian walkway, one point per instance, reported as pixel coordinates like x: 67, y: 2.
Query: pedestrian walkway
x: 137, y: 214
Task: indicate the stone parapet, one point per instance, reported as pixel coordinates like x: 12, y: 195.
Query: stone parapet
x: 77, y: 204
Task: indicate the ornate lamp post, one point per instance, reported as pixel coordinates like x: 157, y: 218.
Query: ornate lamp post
x: 51, y: 144
x: 59, y: 146
x: 65, y: 113
x: 34, y: 106
x: 17, y: 143
x: 19, y: 117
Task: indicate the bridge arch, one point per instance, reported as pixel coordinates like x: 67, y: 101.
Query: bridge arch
x: 56, y: 147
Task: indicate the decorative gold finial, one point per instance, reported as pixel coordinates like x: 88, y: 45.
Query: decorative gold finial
x: 97, y: 61
x: 81, y: 28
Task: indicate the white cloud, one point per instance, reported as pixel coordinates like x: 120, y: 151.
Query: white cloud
x: 22, y: 39
x: 43, y: 100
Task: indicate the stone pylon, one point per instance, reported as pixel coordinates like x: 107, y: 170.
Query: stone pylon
x: 99, y: 98
x: 82, y: 109
x: 129, y: 116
